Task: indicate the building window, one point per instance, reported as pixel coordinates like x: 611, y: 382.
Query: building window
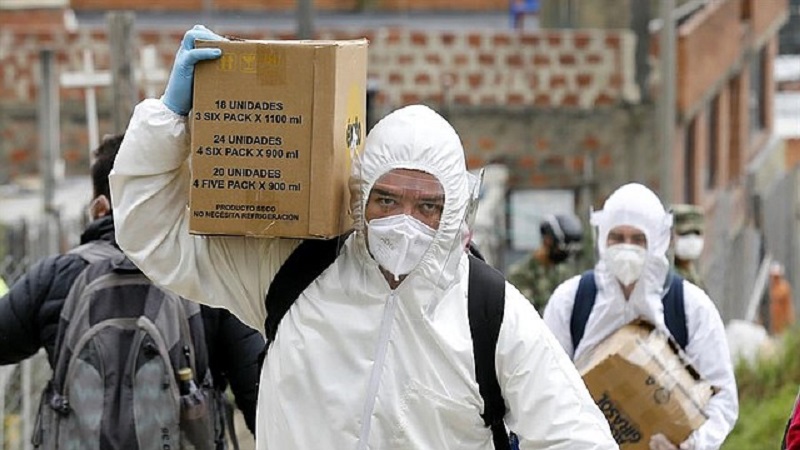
x: 712, y: 150
x: 689, y: 169
x: 758, y: 92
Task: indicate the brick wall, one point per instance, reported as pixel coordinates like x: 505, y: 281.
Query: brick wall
x: 290, y: 5
x: 541, y: 72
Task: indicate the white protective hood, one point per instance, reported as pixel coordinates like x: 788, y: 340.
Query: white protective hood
x: 637, y: 206
x: 417, y: 138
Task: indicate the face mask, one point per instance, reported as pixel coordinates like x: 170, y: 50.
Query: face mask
x: 688, y: 247
x: 625, y: 261
x: 398, y: 242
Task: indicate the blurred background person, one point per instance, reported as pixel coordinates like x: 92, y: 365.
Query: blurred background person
x: 553, y: 262
x: 689, y: 241
x: 781, y: 306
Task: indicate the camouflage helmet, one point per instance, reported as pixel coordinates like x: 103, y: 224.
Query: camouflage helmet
x: 688, y: 219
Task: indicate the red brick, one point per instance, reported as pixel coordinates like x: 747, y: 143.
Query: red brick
x: 474, y: 40
x: 566, y: 59
x: 529, y: 39
x: 542, y: 144
x: 475, y: 80
x: 486, y: 144
x: 501, y: 40
x: 526, y: 162
x: 583, y: 79
x: 19, y: 155
x: 72, y: 155
x: 594, y: 58
x: 552, y: 163
x: 448, y: 39
x: 613, y: 41
x: 558, y: 81
x: 514, y: 60
x: 541, y: 100
x: 486, y: 59
x: 474, y: 162
x: 570, y: 100
x: 423, y: 79
x: 541, y: 60
x: 409, y: 98
x: 554, y: 40
x: 615, y: 81
x: 393, y: 36
x: 577, y: 163
x: 581, y: 40
x: 590, y: 142
x: 538, y: 180
x: 605, y: 161
x: 462, y: 99
x: 515, y: 100
x: 419, y: 39
x: 603, y: 100
x: 460, y: 59
x: 405, y: 59
x: 433, y: 58
x: 437, y: 98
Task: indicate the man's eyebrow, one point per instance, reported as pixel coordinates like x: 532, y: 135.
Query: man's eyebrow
x: 432, y: 198
x: 385, y: 193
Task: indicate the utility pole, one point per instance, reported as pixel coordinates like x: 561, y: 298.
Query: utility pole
x: 123, y: 86
x: 49, y: 132
x: 305, y: 19
x: 665, y: 113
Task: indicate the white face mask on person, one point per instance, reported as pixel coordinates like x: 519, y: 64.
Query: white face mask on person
x: 625, y: 262
x: 688, y: 247
x: 398, y: 242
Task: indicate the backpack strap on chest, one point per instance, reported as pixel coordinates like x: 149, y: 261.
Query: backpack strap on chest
x: 303, y: 266
x: 672, y: 300
x: 486, y: 306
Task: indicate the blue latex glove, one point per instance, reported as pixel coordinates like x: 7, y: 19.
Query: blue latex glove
x: 178, y: 94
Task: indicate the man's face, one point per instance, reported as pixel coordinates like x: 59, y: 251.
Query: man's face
x: 402, y: 191
x: 626, y: 234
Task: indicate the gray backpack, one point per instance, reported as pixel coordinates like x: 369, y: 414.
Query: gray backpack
x: 120, y: 345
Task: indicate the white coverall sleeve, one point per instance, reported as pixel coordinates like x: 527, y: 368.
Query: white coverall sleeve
x: 549, y: 405
x: 150, y: 193
x: 558, y: 312
x: 708, y: 351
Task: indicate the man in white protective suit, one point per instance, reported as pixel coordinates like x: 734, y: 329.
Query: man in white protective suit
x: 631, y: 275
x: 377, y: 351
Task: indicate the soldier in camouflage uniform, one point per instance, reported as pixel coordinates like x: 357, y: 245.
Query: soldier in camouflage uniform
x: 553, y: 262
x: 689, y: 229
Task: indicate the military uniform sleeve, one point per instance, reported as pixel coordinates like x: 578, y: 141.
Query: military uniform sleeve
x: 708, y: 350
x: 549, y: 405
x: 150, y: 192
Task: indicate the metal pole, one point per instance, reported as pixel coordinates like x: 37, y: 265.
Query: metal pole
x: 123, y: 87
x: 91, y: 107
x: 665, y: 113
x: 305, y: 19
x: 49, y: 134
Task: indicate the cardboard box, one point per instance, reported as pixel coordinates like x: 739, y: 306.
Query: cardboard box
x: 274, y: 125
x: 642, y: 384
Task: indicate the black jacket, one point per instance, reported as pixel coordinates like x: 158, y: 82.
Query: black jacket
x: 29, y: 317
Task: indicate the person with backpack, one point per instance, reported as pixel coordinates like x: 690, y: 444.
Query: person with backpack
x: 45, y: 309
x: 391, y: 336
x: 631, y: 280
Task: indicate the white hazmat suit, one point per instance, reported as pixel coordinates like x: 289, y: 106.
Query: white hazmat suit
x: 637, y: 206
x: 355, y: 364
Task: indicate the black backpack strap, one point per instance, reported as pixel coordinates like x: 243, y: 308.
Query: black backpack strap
x: 303, y: 266
x: 582, y: 307
x: 486, y: 304
x: 675, y: 310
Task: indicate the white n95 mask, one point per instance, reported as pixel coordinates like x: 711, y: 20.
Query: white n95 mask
x: 625, y: 262
x: 688, y: 247
x: 398, y: 242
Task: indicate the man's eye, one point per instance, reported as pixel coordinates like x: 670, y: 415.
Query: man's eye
x: 431, y: 208
x: 386, y: 201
